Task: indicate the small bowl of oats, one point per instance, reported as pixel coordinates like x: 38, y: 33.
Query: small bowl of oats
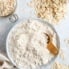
x: 7, y: 8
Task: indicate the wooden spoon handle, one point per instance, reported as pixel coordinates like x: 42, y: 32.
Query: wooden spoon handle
x: 1, y: 63
x: 52, y: 48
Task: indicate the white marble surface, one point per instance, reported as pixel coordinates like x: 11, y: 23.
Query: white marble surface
x: 24, y: 11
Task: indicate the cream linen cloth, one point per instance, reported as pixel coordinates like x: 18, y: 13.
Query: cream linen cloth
x: 5, y: 62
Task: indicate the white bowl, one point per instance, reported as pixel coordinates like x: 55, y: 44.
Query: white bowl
x: 7, y: 49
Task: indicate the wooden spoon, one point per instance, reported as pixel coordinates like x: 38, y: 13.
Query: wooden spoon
x: 51, y: 47
x: 1, y: 63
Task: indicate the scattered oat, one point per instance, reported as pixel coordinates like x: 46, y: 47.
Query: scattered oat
x: 58, y: 65
x: 50, y: 10
x: 61, y: 54
x: 67, y: 41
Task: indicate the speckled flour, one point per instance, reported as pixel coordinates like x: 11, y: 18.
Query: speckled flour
x: 27, y: 44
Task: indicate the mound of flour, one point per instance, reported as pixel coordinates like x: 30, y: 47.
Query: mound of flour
x: 27, y: 44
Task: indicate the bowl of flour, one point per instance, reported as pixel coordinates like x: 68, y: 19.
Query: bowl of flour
x: 26, y: 44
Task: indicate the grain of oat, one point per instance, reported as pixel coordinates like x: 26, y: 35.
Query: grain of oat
x: 67, y: 42
x: 58, y: 65
x: 61, y: 54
